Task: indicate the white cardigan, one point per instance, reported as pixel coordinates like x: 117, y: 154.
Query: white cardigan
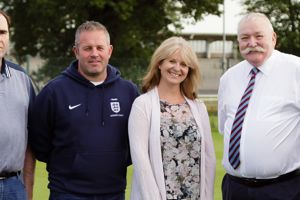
x: 144, y: 135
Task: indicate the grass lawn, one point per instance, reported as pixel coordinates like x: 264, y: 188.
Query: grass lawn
x: 41, y: 191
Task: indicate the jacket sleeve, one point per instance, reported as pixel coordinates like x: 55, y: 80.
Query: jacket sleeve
x: 135, y: 94
x: 40, y: 125
x: 221, y: 107
x: 145, y: 186
x: 210, y: 157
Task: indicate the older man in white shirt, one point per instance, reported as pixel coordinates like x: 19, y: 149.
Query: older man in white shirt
x: 261, y: 156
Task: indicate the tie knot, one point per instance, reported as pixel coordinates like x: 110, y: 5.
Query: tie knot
x: 254, y: 71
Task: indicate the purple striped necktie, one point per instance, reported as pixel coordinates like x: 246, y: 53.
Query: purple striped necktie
x: 235, y: 136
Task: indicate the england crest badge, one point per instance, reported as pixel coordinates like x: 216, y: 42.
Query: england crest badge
x: 115, y: 107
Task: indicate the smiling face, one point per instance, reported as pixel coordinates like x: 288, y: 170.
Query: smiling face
x: 4, y: 37
x: 173, y: 70
x: 93, y: 52
x: 256, y: 40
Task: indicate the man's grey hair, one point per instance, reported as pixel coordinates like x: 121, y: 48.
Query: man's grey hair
x: 91, y: 26
x: 255, y: 16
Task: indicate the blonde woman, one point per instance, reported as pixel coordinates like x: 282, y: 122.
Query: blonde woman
x: 169, y: 131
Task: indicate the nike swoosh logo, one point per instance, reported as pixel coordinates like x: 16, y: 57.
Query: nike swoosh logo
x: 72, y: 107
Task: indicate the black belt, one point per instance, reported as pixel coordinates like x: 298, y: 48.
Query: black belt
x: 253, y: 182
x: 5, y: 175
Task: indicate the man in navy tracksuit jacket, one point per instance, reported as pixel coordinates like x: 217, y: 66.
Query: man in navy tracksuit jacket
x: 79, y: 125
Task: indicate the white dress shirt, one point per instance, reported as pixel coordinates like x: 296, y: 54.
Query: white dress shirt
x: 270, y: 138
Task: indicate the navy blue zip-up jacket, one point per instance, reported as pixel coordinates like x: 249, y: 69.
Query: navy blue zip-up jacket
x: 80, y: 131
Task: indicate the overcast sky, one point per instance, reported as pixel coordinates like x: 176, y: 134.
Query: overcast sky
x: 214, y: 24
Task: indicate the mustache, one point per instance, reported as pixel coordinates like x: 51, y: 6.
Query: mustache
x: 253, y: 49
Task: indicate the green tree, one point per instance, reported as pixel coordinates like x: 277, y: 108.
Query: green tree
x: 285, y: 18
x: 47, y: 27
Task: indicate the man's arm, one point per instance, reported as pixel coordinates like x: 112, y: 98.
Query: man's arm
x: 40, y: 123
x: 28, y: 172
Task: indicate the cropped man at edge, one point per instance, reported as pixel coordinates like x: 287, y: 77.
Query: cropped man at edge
x: 80, y: 123
x: 16, y: 98
x: 259, y: 115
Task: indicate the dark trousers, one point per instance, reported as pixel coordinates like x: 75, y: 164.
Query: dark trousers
x: 284, y: 190
x: 67, y: 196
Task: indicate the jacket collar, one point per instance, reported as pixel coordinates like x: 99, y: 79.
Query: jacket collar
x: 5, y: 69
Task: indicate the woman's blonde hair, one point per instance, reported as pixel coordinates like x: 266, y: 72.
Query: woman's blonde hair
x: 191, y: 84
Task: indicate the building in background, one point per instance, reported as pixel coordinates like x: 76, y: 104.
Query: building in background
x: 207, y: 39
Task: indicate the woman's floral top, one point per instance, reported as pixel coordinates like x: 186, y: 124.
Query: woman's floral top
x: 180, y: 145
